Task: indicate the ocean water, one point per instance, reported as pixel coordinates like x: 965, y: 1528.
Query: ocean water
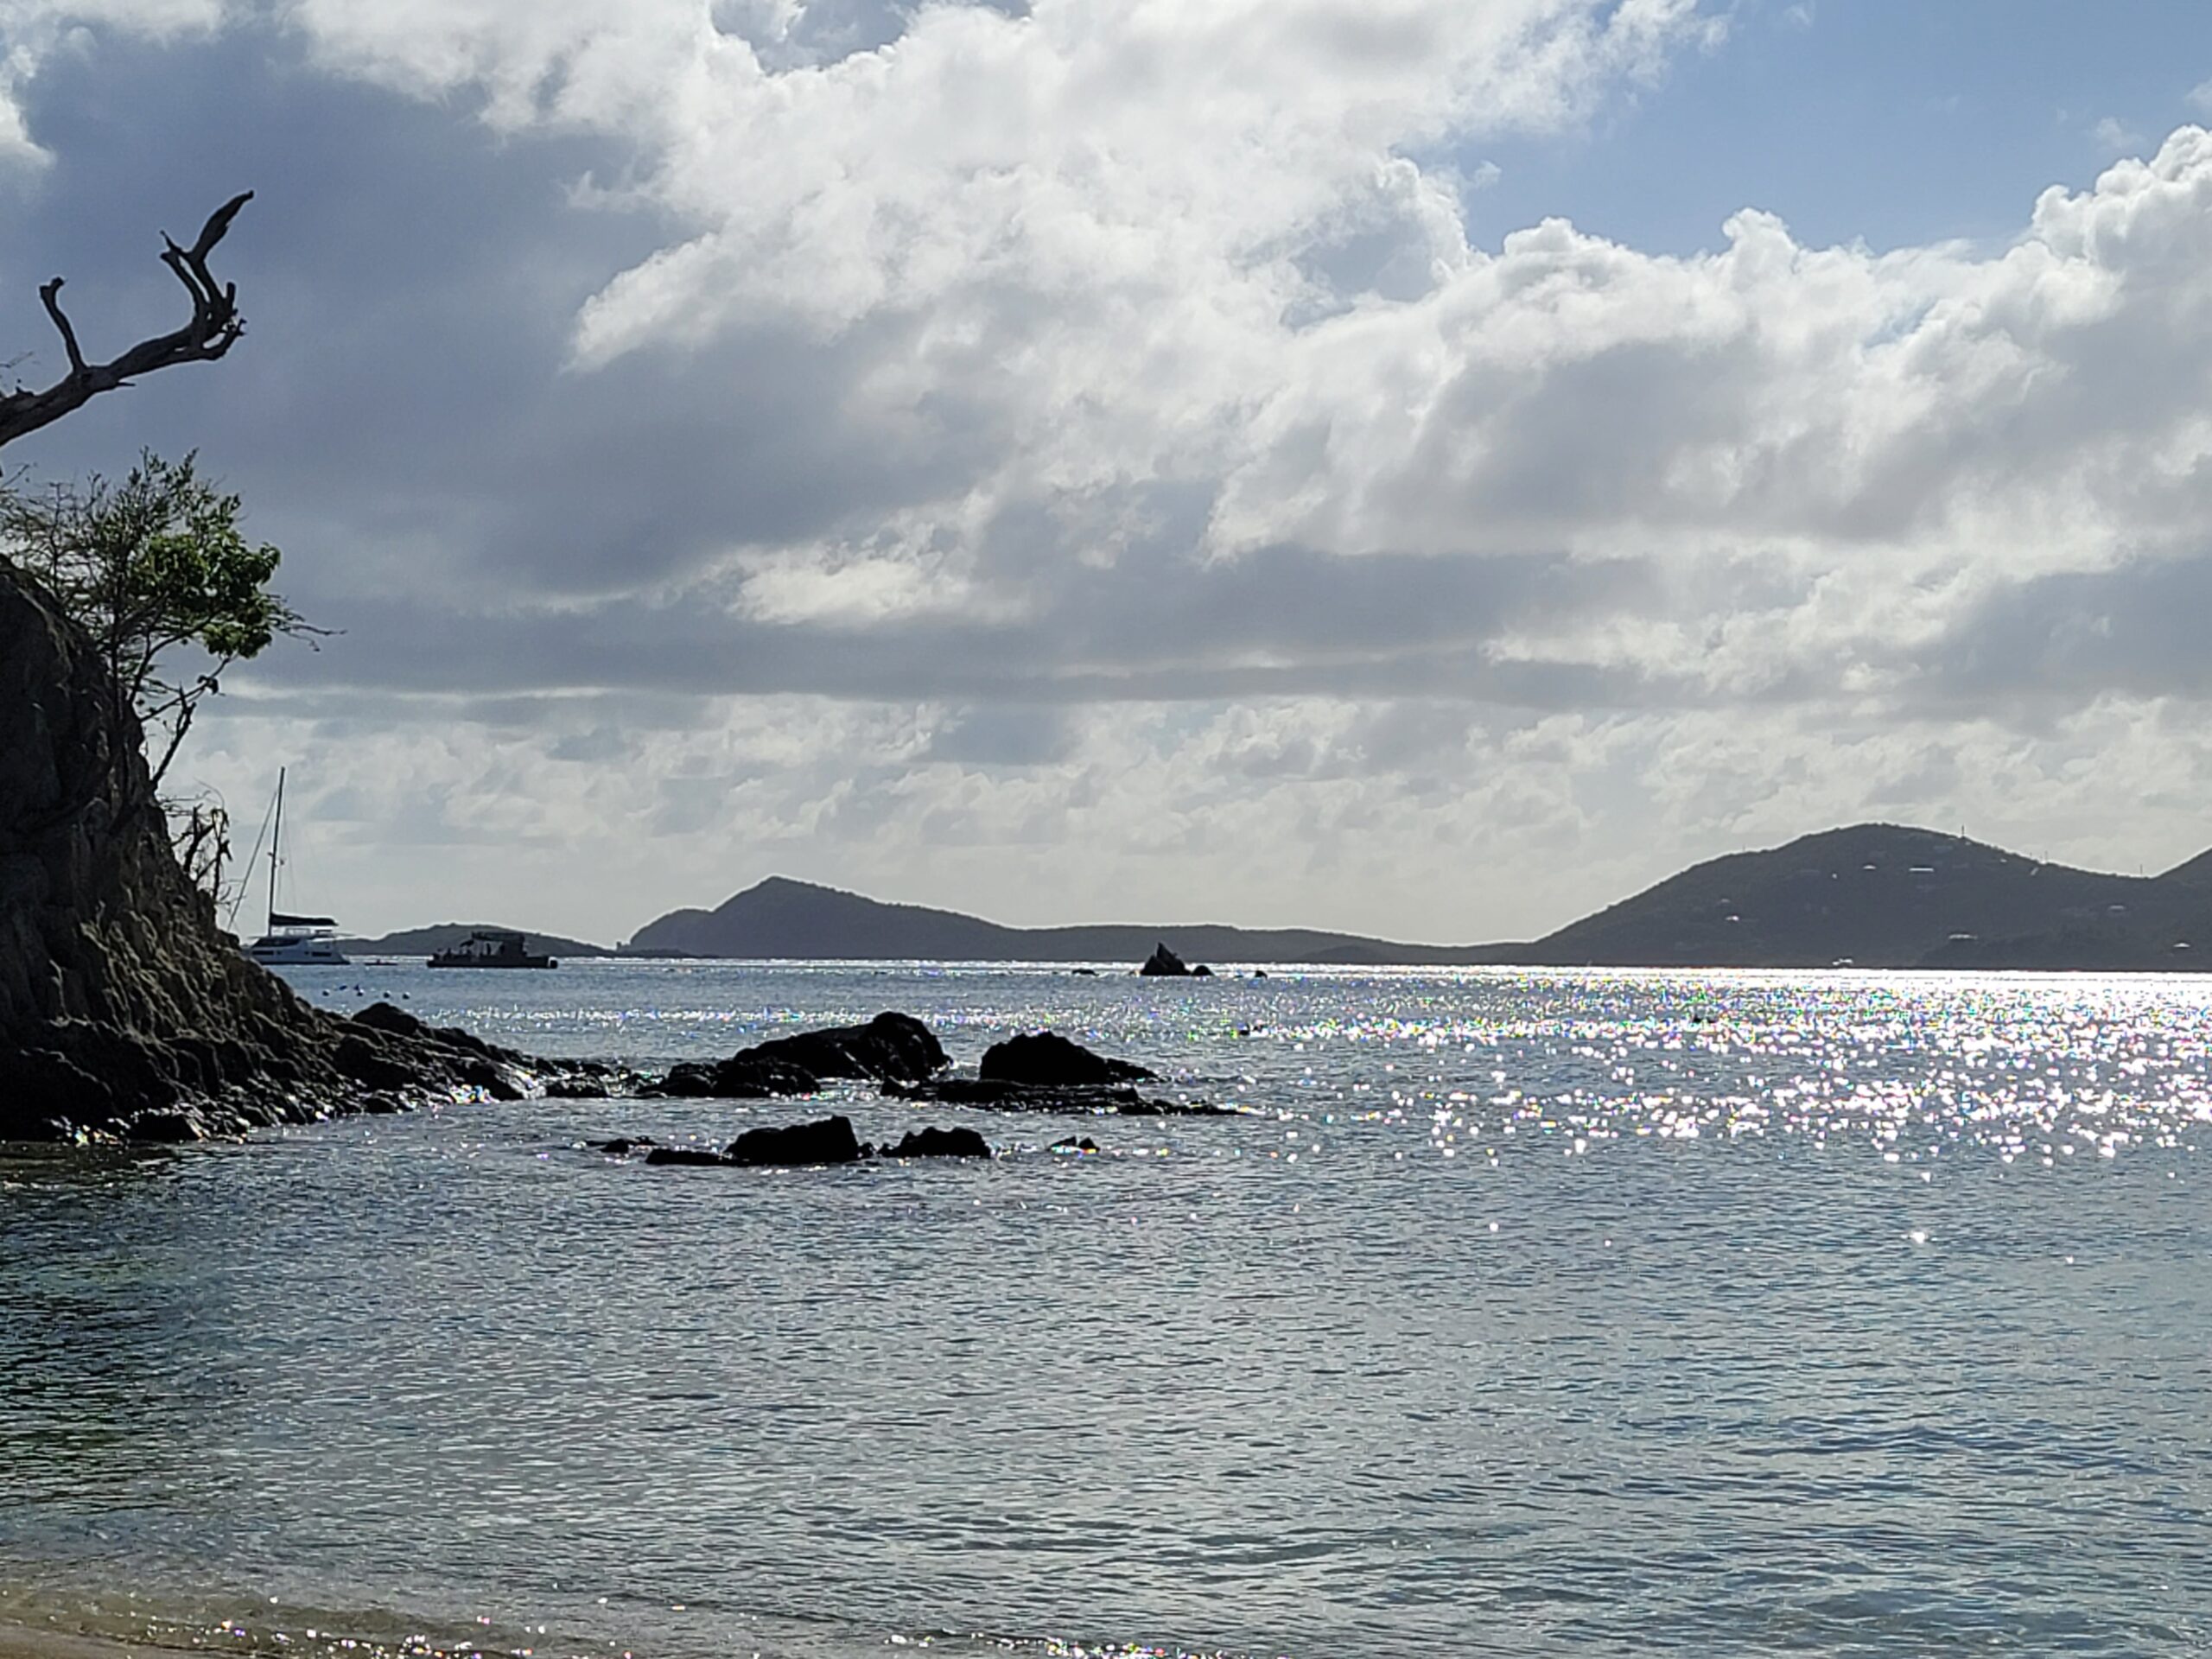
x: 1523, y: 1313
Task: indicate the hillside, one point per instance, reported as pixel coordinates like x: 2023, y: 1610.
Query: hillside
x: 1882, y: 895
x: 782, y: 918
x: 1874, y: 895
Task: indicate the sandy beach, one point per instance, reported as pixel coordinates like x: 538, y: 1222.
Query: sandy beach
x: 19, y: 1641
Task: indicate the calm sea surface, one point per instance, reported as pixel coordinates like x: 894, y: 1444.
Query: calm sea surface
x: 1526, y: 1313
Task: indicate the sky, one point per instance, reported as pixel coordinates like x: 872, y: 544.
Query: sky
x: 1424, y: 467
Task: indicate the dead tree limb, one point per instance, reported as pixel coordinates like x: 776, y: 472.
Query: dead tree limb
x: 215, y: 327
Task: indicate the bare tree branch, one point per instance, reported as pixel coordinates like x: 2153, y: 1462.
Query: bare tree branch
x: 215, y: 327
x: 49, y: 295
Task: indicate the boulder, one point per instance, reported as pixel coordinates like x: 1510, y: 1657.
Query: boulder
x: 827, y: 1140
x: 1072, y: 1144
x: 890, y: 1047
x: 940, y: 1143
x: 1047, y: 1058
x: 1164, y: 962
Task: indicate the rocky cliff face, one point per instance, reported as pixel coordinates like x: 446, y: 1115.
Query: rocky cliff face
x: 125, y: 1012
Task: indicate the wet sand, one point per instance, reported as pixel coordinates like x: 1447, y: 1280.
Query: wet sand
x: 29, y: 1642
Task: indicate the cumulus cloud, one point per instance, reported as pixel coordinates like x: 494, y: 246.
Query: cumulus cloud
x: 908, y: 444
x: 33, y: 31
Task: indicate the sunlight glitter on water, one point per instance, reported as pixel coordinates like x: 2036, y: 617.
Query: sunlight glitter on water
x: 1557, y: 1315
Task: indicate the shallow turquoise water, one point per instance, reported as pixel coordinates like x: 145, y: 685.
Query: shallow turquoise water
x: 1585, y: 1314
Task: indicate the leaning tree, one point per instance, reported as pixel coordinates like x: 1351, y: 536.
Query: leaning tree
x: 213, y: 329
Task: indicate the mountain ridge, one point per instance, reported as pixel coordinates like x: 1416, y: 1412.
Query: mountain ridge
x: 780, y: 916
x: 1870, y: 896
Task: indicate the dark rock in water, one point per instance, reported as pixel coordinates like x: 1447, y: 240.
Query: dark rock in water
x: 940, y: 1143
x: 1164, y: 962
x: 126, y: 1013
x: 623, y: 1146
x: 1047, y: 1058
x: 691, y: 1156
x: 690, y: 1081
x: 1136, y: 1106
x: 584, y: 1088
x: 892, y: 1047
x: 1086, y: 1144
x: 742, y: 1076
x: 1202, y: 972
x: 1095, y: 1100
x: 828, y: 1140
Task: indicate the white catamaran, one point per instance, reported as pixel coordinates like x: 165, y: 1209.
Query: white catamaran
x: 293, y: 941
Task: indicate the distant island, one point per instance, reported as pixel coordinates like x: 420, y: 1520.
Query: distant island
x: 1877, y: 895
x: 1872, y: 896
x: 444, y: 936
x: 782, y: 918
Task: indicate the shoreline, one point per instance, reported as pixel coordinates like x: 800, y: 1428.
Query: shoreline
x: 22, y: 1641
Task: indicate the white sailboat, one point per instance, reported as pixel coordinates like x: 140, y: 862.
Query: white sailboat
x: 293, y: 941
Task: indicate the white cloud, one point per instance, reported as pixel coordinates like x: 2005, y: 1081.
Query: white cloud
x: 1536, y: 567
x: 2111, y: 134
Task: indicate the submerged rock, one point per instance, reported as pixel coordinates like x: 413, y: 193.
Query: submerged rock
x: 940, y: 1143
x: 1072, y: 1144
x: 1096, y: 1100
x: 694, y: 1155
x: 1046, y: 1058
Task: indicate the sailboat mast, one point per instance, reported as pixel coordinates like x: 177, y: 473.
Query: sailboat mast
x: 275, y: 835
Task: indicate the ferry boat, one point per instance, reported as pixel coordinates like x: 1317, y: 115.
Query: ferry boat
x: 491, y: 947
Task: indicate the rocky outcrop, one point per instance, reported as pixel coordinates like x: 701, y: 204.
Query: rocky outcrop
x: 890, y: 1048
x: 940, y: 1143
x: 742, y: 1076
x: 823, y: 1143
x: 125, y: 1012
x: 1164, y: 964
x: 1045, y: 1073
x: 1047, y: 1058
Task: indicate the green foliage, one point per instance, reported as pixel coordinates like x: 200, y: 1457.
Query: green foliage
x: 157, y: 570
